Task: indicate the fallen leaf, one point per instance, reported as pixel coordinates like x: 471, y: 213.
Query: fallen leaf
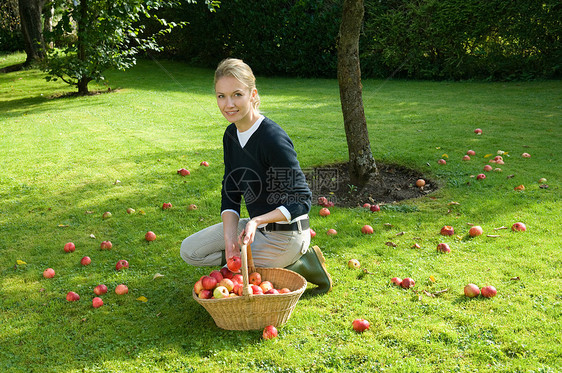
x: 493, y: 235
x: 497, y: 229
x: 20, y: 262
x: 62, y: 225
x: 428, y: 294
x: 388, y: 225
x: 453, y: 203
x: 471, y: 224
x: 416, y: 246
x: 543, y: 186
x: 515, y: 278
x: 431, y: 278
x: 488, y: 155
x: 92, y: 236
x: 400, y: 233
x: 157, y: 275
x: 89, y: 212
x: 390, y: 244
x: 142, y: 299
x: 444, y: 156
x: 117, y: 182
x: 510, y: 176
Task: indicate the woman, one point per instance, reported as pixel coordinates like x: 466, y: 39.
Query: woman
x: 261, y: 165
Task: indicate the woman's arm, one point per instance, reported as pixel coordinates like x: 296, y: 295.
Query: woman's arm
x: 230, y: 230
x: 249, y: 232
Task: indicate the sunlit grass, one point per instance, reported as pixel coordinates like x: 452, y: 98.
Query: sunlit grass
x: 65, y: 161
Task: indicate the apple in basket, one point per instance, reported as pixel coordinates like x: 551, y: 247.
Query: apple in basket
x: 254, y: 278
x: 208, y: 282
x: 220, y: 292
x: 234, y: 263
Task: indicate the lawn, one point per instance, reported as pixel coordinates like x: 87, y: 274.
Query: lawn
x: 67, y: 160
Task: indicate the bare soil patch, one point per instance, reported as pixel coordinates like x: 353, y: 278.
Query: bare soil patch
x: 395, y: 183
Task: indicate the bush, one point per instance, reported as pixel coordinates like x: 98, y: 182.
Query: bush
x: 11, y: 38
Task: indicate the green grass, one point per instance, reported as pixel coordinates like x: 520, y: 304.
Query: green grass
x: 66, y: 161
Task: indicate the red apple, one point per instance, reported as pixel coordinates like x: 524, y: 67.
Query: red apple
x: 488, y: 168
x: 72, y: 296
x: 254, y: 278
x: 234, y: 263
x: 226, y: 273
x: 121, y: 264
x: 256, y: 290
x: 217, y: 275
x: 471, y: 152
x: 69, y: 247
x: 197, y: 287
x: 269, y: 332
x: 471, y: 290
x: 208, y: 282
x: 238, y: 278
x: 266, y: 286
x: 396, y: 281
x: 478, y: 131
x: 324, y: 211
x: 121, y: 289
x: 353, y: 263
x: 331, y: 232
x: 447, y: 230
x: 466, y: 158
x: 519, y: 227
x: 443, y: 247
x: 220, y: 292
x: 183, y: 172
x: 526, y: 155
x: 442, y: 161
x: 480, y: 177
x: 97, y: 302
x: 312, y: 233
x: 272, y: 291
x: 49, y: 273
x: 100, y: 289
x: 166, y: 205
x: 204, y: 164
x: 322, y: 201
x: 489, y: 291
x: 106, y: 215
x: 519, y: 187
x: 150, y: 236
x: 367, y: 229
x: 420, y: 183
x: 360, y: 325
x: 106, y: 245
x: 85, y: 261
x: 408, y: 283
x: 475, y: 231
x: 375, y: 208
x: 367, y: 205
x: 227, y: 283
x: 206, y: 294
x: 237, y: 289
x: 284, y: 291
x: 130, y: 210
x: 192, y: 207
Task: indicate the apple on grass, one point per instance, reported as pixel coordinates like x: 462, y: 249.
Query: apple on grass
x: 478, y: 131
x: 519, y: 187
x: 130, y: 210
x: 269, y: 332
x: 353, y: 263
x: 443, y: 247
x: 106, y: 215
x: 312, y: 233
x: 488, y: 168
x: 360, y: 325
x: 121, y: 264
x: 471, y: 290
x: 488, y: 291
x: 471, y: 152
x: 466, y: 158
x: 220, y: 292
x: 375, y: 208
x: 166, y: 205
x: 447, y: 230
x: 121, y: 289
x: 183, y: 172
x: 442, y: 161
x: 367, y: 229
x: 408, y: 283
x: 331, y: 232
x: 106, y: 245
x: 396, y: 281
x: 100, y: 289
x: 204, y: 164
x: 150, y: 236
x: 192, y: 207
x: 324, y: 211
x: 69, y: 247
x: 475, y: 231
x: 72, y: 296
x: 519, y: 227
x: 49, y: 273
x: 234, y: 263
x: 85, y: 261
x: 97, y: 302
x: 480, y: 177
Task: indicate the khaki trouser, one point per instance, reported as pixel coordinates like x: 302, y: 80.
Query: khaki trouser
x: 276, y: 249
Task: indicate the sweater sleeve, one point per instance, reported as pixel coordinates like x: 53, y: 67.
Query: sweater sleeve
x: 286, y: 182
x: 231, y: 195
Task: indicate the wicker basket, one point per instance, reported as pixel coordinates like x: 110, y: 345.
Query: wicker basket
x: 255, y: 312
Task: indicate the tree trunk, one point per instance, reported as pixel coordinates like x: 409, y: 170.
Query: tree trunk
x: 32, y: 29
x: 362, y: 165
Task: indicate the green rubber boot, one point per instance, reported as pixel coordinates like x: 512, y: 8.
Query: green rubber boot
x: 311, y: 266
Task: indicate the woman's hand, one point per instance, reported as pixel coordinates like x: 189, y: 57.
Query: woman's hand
x: 249, y: 232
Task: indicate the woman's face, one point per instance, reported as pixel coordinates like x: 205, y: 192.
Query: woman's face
x: 235, y: 101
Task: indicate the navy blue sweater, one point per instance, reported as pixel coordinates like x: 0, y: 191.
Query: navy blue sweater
x: 266, y: 172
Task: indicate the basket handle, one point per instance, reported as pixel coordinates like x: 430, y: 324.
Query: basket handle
x: 247, y: 262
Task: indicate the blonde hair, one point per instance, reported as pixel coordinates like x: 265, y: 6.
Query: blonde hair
x: 241, y: 71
